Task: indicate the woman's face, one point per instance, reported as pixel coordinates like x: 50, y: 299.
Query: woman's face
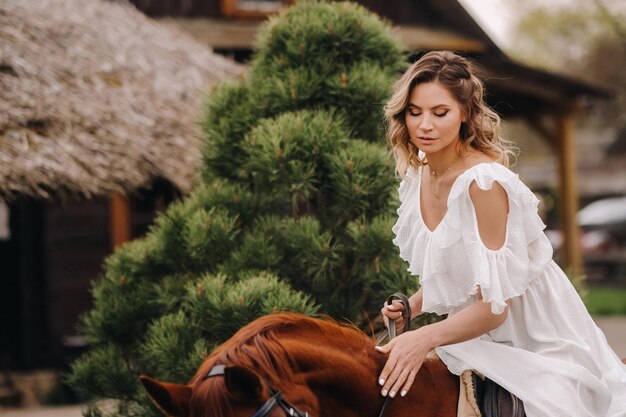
x: 433, y: 117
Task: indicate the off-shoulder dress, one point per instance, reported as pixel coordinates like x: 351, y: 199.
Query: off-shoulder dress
x: 548, y: 352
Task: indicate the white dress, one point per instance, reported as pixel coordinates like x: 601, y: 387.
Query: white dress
x: 548, y: 352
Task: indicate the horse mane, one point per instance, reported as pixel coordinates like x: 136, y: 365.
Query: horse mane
x: 257, y: 347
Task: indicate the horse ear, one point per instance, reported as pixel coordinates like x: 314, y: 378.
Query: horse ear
x: 242, y: 383
x: 172, y: 399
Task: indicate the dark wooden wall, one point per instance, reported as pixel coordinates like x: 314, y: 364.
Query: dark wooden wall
x: 54, y: 253
x: 23, y: 319
x: 76, y: 241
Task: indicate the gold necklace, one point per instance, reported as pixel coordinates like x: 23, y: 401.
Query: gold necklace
x: 439, y: 175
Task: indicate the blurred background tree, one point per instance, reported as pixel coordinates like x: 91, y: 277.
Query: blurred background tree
x: 294, y: 213
x: 585, y: 39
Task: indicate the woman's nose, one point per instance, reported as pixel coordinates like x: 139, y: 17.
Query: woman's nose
x: 426, y: 123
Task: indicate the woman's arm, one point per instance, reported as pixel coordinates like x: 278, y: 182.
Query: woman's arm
x: 467, y: 324
x: 416, y: 303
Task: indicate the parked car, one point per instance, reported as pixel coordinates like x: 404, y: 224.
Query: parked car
x: 602, y: 238
x: 608, y: 214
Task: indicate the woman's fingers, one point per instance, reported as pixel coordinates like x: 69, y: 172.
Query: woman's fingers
x: 389, y: 365
x: 394, y: 311
x: 386, y: 348
x: 408, y: 383
x: 392, y: 314
x: 395, y: 306
x: 399, y: 381
x: 406, y: 356
x: 399, y: 326
x: 391, y: 380
x: 393, y: 374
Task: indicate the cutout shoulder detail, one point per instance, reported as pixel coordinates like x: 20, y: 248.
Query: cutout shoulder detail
x: 491, y: 209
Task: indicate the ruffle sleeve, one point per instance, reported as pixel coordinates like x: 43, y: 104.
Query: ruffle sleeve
x: 461, y: 263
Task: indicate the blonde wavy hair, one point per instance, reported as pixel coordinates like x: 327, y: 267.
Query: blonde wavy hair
x: 482, y: 129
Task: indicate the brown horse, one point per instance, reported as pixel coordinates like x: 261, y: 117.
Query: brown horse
x: 315, y: 367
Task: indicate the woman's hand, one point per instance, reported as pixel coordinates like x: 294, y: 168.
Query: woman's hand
x: 407, y: 352
x: 395, y: 311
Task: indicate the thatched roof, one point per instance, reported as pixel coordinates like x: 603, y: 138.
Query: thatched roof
x: 95, y: 97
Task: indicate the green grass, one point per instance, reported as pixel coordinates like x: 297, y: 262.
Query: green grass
x: 604, y: 301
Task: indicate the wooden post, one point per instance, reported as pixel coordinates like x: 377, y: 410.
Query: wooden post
x: 569, y: 191
x: 119, y: 219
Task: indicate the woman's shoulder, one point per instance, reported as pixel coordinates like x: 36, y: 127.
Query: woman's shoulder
x: 489, y: 181
x: 483, y: 170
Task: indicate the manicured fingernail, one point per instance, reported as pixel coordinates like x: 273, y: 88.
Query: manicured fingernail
x: 392, y: 394
x: 381, y: 381
x: 384, y: 393
x: 403, y: 393
x: 378, y: 348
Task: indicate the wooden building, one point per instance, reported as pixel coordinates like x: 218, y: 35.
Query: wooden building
x: 98, y: 132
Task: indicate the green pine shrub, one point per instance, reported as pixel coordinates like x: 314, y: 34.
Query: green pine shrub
x: 294, y: 212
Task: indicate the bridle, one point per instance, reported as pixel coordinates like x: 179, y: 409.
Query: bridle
x: 276, y: 398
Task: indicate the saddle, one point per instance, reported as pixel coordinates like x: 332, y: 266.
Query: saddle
x: 481, y: 397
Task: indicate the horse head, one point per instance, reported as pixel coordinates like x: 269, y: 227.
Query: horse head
x: 289, y: 364
x: 244, y: 390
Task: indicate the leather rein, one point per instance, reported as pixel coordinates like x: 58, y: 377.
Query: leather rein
x: 391, y: 332
x: 276, y: 397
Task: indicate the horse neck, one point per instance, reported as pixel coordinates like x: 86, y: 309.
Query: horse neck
x: 341, y: 377
x: 344, y: 381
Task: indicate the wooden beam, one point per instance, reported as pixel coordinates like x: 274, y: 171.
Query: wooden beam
x: 119, y: 219
x: 416, y: 38
x: 246, y: 9
x: 569, y: 192
x: 219, y: 34
x: 548, y: 133
x: 516, y: 82
x: 241, y: 34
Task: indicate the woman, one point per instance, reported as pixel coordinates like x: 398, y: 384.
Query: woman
x: 469, y: 228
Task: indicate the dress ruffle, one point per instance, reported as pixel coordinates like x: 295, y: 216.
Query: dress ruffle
x: 452, y: 261
x: 409, y: 230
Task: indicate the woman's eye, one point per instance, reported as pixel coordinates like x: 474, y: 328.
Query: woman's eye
x: 441, y: 114
x: 414, y: 113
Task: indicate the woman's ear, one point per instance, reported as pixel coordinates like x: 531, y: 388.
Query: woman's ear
x: 172, y: 399
x: 243, y: 383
